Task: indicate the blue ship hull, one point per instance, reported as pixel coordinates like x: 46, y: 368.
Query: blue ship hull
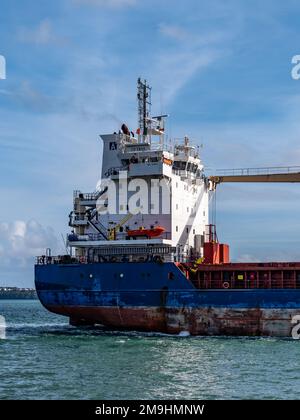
x: 159, y: 297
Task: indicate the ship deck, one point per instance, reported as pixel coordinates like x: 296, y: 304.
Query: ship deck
x: 266, y: 275
x: 262, y: 275
x: 100, y: 243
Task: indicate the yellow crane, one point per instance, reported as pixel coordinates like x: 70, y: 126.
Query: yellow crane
x: 273, y: 174
x: 112, y: 233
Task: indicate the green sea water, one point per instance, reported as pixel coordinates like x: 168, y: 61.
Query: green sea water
x: 42, y: 357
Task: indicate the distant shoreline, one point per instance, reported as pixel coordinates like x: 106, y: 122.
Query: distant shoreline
x: 16, y: 293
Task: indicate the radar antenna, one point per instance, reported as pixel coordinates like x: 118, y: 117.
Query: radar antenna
x: 144, y: 108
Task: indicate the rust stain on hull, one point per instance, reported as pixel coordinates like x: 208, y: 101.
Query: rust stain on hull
x: 197, y: 321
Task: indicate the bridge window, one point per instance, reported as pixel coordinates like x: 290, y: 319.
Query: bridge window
x: 179, y: 165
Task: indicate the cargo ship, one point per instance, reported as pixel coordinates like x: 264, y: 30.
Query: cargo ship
x: 143, y: 254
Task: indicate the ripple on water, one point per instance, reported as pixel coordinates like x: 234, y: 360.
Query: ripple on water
x: 43, y: 357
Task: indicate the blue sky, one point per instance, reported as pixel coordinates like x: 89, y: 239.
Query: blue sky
x: 222, y: 70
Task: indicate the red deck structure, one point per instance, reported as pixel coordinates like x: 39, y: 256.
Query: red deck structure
x: 272, y: 275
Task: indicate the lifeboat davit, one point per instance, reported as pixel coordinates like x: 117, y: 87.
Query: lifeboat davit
x: 149, y: 233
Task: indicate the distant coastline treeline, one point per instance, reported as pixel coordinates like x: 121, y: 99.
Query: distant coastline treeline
x: 17, y: 293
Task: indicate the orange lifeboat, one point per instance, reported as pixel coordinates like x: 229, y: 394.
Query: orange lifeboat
x: 149, y: 233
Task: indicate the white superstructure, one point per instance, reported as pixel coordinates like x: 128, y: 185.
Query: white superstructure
x: 145, y: 186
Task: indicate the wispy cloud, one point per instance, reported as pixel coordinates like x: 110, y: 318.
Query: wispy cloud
x: 174, y: 69
x: 191, y: 53
x: 107, y: 3
x: 173, y: 31
x: 195, y: 37
x: 30, y: 96
x: 4, y: 92
x: 42, y: 34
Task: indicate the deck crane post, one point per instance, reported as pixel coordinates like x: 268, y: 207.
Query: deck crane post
x: 112, y: 233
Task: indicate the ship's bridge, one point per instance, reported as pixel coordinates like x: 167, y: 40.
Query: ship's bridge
x: 146, y: 161
x: 187, y: 162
